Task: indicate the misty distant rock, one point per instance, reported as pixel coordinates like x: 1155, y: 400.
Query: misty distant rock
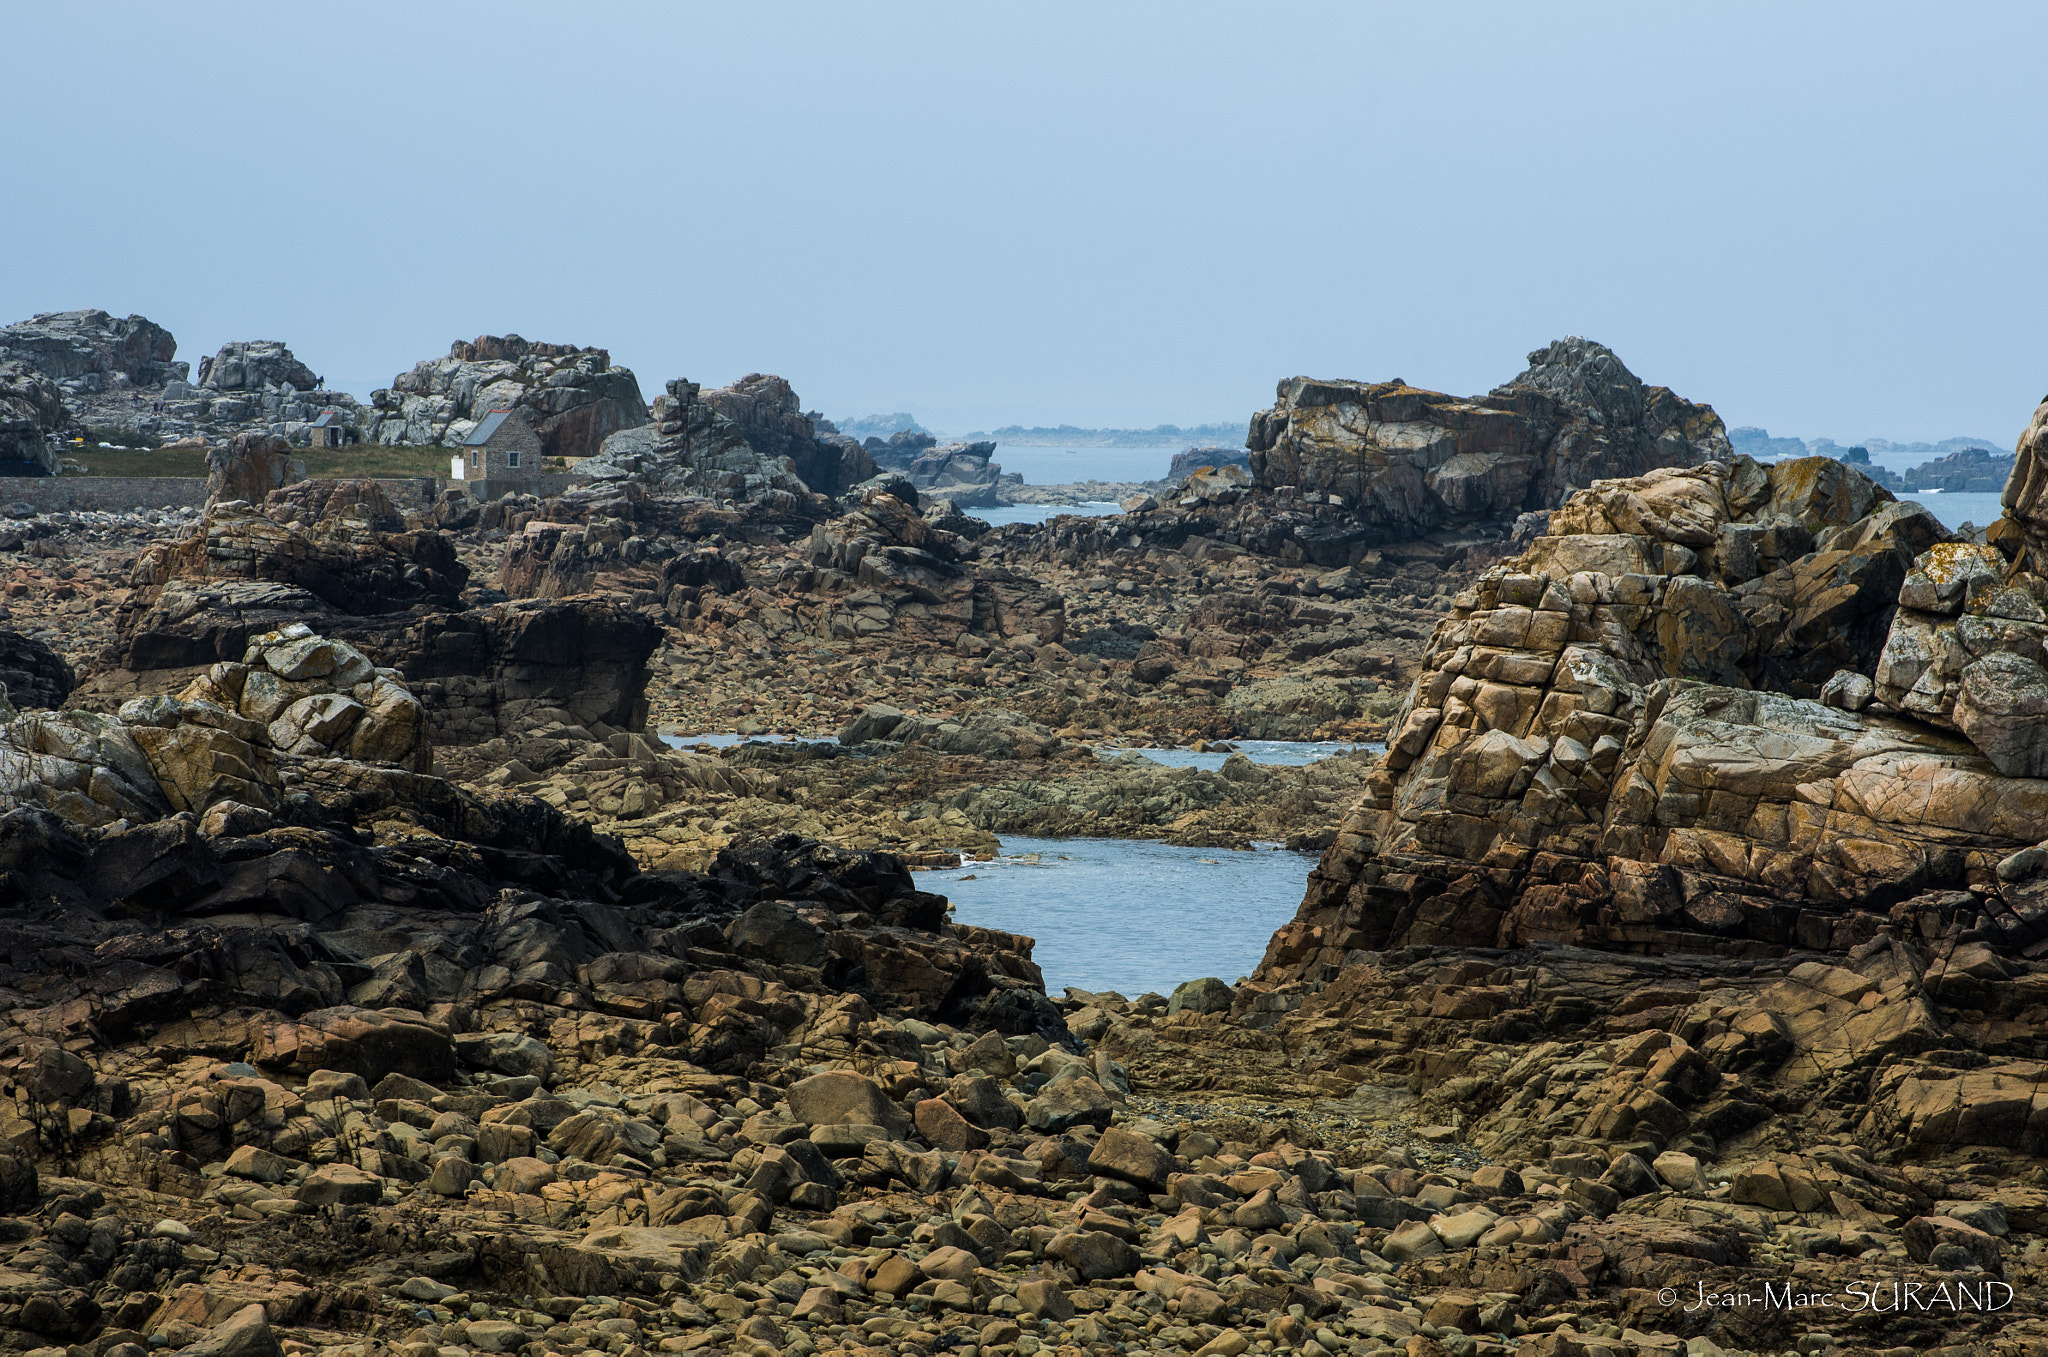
x: 1185, y: 464
x: 1971, y: 471
x: 961, y: 472
x: 878, y: 426
x: 1074, y: 436
x: 900, y: 449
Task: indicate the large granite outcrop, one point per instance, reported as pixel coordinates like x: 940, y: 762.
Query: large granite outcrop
x: 33, y: 674
x: 749, y: 441
x: 886, y: 568
x: 92, y: 350
x: 32, y: 409
x: 577, y: 397
x: 498, y: 670
x: 228, y: 739
x: 1408, y: 462
x: 692, y: 449
x: 1594, y: 755
x: 899, y: 449
x: 962, y: 472
x: 255, y: 365
x: 336, y: 544
x: 249, y: 467
x: 772, y: 420
x: 337, y: 555
x: 120, y: 375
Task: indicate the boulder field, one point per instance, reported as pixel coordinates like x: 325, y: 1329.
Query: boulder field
x: 377, y: 981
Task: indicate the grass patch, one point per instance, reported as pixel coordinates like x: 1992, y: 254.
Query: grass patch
x: 371, y: 459
x: 343, y: 463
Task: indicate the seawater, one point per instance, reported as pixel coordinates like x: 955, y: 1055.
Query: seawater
x: 1976, y: 507
x: 1041, y: 513
x: 728, y: 740
x: 1129, y: 915
x: 1066, y: 465
x: 1288, y: 753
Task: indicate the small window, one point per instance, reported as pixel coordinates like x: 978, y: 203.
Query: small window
x: 512, y: 460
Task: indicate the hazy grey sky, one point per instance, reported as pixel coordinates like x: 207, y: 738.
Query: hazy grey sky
x: 1826, y: 219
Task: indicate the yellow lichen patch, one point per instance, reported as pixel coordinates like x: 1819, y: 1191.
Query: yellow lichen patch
x: 1948, y: 561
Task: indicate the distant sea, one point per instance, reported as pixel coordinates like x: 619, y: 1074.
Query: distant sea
x: 1061, y: 466
x: 1954, y: 510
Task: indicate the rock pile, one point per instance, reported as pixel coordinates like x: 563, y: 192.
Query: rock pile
x: 248, y: 567
x: 1407, y: 462
x: 257, y: 382
x: 255, y: 365
x: 899, y: 449
x: 118, y: 376
x: 577, y: 397
x: 1188, y: 462
x: 694, y: 449
x: 771, y: 418
x: 749, y: 442
x: 960, y: 472
x: 91, y: 351
x: 32, y: 415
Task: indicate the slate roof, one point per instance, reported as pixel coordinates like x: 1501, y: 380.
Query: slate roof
x: 489, y: 425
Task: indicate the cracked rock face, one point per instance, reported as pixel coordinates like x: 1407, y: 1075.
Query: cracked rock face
x: 1408, y: 462
x: 577, y: 397
x: 31, y: 408
x: 254, y: 365
x: 94, y: 347
x: 1592, y: 754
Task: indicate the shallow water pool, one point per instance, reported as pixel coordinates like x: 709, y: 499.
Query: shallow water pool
x: 1129, y: 915
x: 727, y: 740
x: 1041, y: 513
x: 1290, y: 753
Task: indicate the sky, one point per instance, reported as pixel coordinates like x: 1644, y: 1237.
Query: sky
x: 1824, y: 219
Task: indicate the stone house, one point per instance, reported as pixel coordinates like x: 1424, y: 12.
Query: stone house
x: 329, y: 430
x: 504, y: 443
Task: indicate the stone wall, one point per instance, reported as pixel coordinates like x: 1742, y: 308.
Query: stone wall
x: 496, y: 487
x: 124, y: 494
x: 113, y: 494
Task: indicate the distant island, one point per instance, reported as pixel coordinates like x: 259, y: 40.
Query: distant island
x: 1071, y: 436
x: 1061, y: 436
x: 877, y: 426
x: 1954, y: 465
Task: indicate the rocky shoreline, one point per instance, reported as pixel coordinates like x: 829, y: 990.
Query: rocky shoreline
x: 375, y: 981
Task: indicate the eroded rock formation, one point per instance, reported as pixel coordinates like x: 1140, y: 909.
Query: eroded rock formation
x: 255, y: 365
x: 577, y: 397
x: 92, y: 350
x: 1408, y: 462
x: 32, y: 410
x: 771, y: 418
x: 1594, y: 753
